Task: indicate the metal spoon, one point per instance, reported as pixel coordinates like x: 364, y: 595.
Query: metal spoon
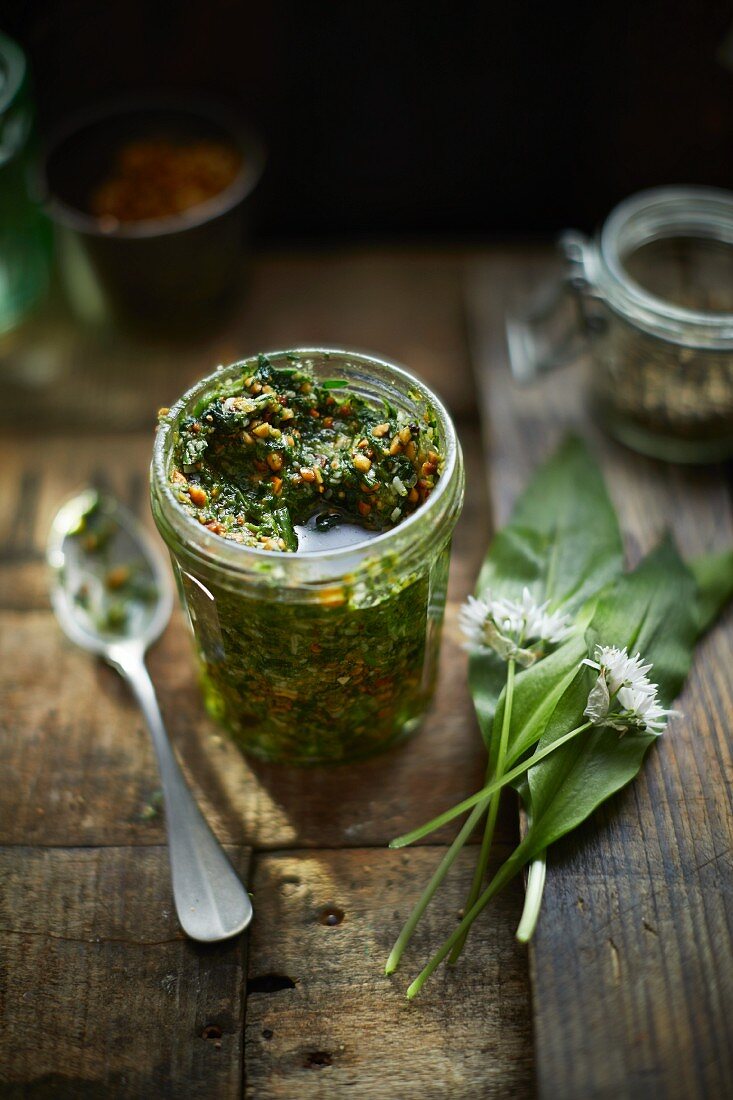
x: 112, y: 596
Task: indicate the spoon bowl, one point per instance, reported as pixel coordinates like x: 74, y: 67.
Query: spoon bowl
x: 112, y: 596
x: 93, y: 539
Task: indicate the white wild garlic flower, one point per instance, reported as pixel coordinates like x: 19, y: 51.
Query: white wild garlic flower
x: 508, y: 627
x: 623, y: 682
x: 619, y: 669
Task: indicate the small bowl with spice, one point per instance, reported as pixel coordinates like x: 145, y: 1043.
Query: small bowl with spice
x: 308, y: 499
x: 151, y: 203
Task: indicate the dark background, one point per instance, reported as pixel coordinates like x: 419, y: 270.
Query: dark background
x: 388, y: 120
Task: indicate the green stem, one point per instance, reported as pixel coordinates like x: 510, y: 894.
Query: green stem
x: 495, y: 785
x: 500, y: 879
x: 533, y: 898
x: 488, y: 837
x: 440, y: 872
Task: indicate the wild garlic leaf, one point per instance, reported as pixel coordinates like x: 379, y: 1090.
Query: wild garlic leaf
x: 486, y: 680
x: 537, y: 691
x: 567, y: 786
x: 622, y: 760
x: 563, y: 543
x: 563, y: 540
x: 654, y: 611
x: 713, y: 575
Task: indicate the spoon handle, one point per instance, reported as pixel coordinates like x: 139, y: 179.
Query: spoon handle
x: 211, y: 902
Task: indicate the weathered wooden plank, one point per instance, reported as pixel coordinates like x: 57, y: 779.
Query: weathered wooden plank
x: 401, y: 304
x: 102, y: 995
x: 77, y: 745
x: 632, y: 964
x: 324, y: 1021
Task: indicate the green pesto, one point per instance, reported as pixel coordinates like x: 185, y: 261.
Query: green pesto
x: 117, y: 587
x: 351, y: 669
x: 265, y: 453
x: 320, y: 684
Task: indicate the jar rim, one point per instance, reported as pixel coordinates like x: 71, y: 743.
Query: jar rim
x: 656, y: 214
x: 239, y: 559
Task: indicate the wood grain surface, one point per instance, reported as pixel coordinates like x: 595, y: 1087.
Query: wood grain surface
x: 327, y: 922
x: 102, y: 997
x: 632, y: 964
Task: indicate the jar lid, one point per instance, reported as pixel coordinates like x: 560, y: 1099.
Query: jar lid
x: 697, y: 221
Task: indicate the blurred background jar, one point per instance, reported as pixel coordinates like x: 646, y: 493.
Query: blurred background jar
x: 651, y: 300
x: 25, y: 238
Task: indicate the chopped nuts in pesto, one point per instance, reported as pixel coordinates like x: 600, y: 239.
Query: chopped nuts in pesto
x: 275, y: 448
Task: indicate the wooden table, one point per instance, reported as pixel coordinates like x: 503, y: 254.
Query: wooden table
x: 627, y: 986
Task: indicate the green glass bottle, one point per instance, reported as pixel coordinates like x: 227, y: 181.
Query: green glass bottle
x: 25, y: 235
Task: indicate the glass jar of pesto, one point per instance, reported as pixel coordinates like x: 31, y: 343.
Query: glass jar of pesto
x: 308, y: 500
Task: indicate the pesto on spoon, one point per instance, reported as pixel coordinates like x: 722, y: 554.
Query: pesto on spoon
x: 112, y: 596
